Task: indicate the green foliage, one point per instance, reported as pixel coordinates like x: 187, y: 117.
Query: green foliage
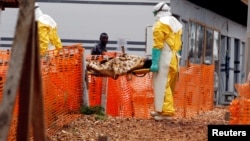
x: 90, y: 110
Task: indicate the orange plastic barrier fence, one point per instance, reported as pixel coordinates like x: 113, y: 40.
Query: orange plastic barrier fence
x: 193, y: 78
x: 95, y: 90
x: 180, y: 94
x: 194, y: 92
x: 127, y: 96
x: 207, y: 88
x: 243, y: 90
x: 133, y: 95
x: 62, y: 72
x: 239, y: 108
x: 62, y: 81
x: 119, y: 97
x: 142, y: 93
x: 118, y: 94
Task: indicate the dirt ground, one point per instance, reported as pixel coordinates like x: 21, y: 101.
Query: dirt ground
x: 87, y: 128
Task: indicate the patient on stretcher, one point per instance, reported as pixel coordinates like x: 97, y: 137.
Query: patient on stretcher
x: 113, y: 64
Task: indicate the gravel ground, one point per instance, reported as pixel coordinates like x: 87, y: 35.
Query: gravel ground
x: 79, y: 127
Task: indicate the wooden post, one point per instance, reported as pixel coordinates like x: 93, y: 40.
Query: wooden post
x: 85, y: 83
x: 24, y: 73
x: 37, y: 120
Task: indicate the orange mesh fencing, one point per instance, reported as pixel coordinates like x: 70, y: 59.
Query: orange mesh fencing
x: 127, y: 96
x: 179, y: 94
x: 95, y: 84
x: 61, y: 72
x: 94, y: 90
x: 187, y: 91
x: 192, y: 94
x: 4, y: 61
x: 142, y: 93
x: 113, y: 94
x: 239, y: 111
x: 117, y: 92
x: 13, y: 128
x: 234, y: 109
x: 119, y: 99
x: 192, y: 90
x: 240, y: 107
x: 243, y: 90
x: 94, y: 57
x: 245, y: 112
x: 62, y: 82
x: 207, y: 88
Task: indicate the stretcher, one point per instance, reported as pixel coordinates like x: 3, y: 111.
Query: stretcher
x: 117, y: 65
x: 137, y: 72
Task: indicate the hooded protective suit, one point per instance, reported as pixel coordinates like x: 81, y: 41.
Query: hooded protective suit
x: 47, y: 31
x: 167, y: 32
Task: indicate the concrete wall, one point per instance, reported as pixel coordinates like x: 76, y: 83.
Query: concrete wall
x: 82, y: 22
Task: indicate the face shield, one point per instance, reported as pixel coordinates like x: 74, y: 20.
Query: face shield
x: 162, y: 7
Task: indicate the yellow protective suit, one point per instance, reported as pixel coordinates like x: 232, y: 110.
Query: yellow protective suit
x: 47, y: 33
x: 167, y: 33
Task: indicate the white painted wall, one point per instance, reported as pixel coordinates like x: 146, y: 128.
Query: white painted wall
x: 87, y: 21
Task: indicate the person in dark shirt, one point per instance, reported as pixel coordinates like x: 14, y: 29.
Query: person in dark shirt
x: 101, y: 46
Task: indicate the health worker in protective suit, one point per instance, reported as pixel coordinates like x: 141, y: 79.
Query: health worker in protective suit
x: 47, y: 31
x: 167, y: 32
x: 100, y: 48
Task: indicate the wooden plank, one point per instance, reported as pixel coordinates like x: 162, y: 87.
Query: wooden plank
x: 26, y: 91
x: 31, y: 100
x: 31, y: 93
x: 19, y: 49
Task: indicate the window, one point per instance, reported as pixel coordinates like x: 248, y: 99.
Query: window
x: 203, y: 44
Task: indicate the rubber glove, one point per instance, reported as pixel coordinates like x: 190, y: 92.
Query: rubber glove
x: 156, y: 53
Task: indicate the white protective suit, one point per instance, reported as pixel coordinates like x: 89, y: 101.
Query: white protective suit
x: 47, y: 31
x: 167, y: 32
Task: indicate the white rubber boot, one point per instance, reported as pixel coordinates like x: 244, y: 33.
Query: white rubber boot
x: 154, y: 113
x: 161, y: 117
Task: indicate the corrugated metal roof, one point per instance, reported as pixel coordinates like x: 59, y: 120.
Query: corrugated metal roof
x: 9, y: 4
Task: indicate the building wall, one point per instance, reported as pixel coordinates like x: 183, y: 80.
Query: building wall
x: 82, y: 22
x: 85, y: 20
